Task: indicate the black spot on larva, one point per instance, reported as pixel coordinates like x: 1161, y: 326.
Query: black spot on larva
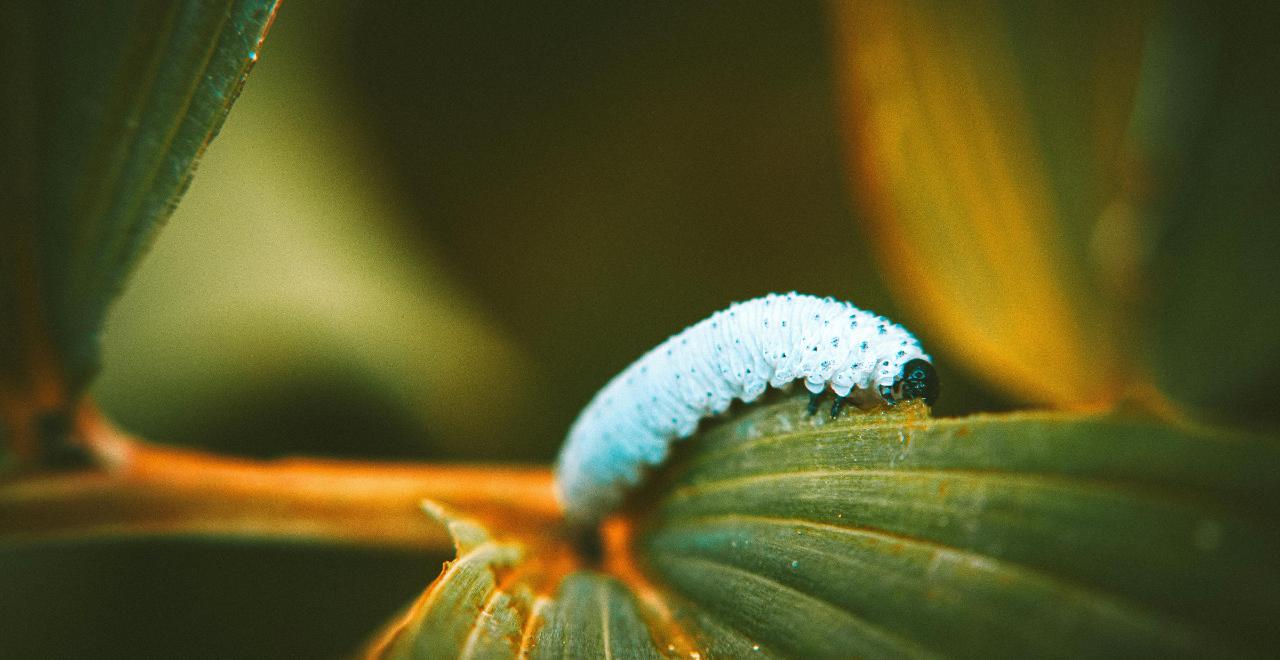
x: 864, y: 345
x: 901, y: 353
x: 835, y: 342
x: 784, y: 324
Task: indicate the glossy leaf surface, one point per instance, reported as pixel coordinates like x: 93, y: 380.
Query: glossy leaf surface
x: 886, y: 534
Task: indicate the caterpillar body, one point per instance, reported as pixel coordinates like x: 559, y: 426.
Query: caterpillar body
x: 736, y: 353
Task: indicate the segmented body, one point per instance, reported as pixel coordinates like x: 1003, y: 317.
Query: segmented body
x: 737, y: 353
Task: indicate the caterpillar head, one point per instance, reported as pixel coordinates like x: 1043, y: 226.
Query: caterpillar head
x: 919, y: 380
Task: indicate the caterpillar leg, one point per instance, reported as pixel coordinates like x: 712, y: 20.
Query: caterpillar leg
x: 814, y: 399
x: 886, y: 392
x: 835, y: 407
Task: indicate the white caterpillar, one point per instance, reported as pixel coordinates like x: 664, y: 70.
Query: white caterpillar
x: 735, y: 354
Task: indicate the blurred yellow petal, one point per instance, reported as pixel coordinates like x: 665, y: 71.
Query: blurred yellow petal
x: 885, y: 534
x: 982, y: 209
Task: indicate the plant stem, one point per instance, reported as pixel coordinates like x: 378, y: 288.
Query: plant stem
x: 141, y: 489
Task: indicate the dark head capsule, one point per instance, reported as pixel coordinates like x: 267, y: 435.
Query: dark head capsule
x: 919, y: 381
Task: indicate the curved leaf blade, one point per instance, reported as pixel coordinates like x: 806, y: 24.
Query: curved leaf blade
x: 888, y: 533
x: 108, y: 109
x: 1041, y: 533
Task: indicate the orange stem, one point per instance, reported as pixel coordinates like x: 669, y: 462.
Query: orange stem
x: 147, y: 490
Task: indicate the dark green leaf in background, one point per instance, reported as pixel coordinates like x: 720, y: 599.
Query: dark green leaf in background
x: 108, y: 105
x: 1213, y: 187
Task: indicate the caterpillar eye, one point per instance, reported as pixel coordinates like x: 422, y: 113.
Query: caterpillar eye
x: 919, y: 381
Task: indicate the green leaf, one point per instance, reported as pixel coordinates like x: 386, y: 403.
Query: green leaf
x: 476, y: 610
x: 889, y: 533
x: 592, y: 615
x: 1206, y: 131
x: 1027, y: 534
x: 107, y: 108
x: 443, y: 623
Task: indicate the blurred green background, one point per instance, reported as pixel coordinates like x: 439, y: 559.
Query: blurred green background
x: 431, y: 231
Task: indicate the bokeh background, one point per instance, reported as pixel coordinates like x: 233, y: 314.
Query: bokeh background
x: 433, y: 231
x: 430, y: 231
